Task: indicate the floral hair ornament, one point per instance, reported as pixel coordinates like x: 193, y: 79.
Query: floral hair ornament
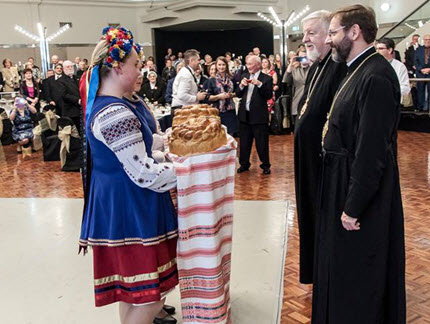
x: 121, y: 43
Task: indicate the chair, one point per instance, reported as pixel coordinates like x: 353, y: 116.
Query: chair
x: 71, y: 146
x: 5, y: 129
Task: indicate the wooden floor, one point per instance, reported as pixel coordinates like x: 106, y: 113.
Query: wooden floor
x: 30, y: 177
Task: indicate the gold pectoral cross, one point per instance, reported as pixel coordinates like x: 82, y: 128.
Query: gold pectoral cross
x: 305, y: 106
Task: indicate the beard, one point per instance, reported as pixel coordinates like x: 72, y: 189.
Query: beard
x: 312, y: 54
x: 342, y: 50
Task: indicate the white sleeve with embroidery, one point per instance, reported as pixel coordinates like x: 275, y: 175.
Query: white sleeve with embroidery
x: 119, y: 129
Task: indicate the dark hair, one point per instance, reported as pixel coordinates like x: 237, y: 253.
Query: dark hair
x: 416, y: 35
x: 59, y: 64
x: 222, y: 58
x: 27, y: 70
x: 228, y: 53
x: 189, y: 54
x: 361, y: 15
x: 387, y: 42
x: 5, y: 60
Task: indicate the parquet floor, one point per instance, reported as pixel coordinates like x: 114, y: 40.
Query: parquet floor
x: 31, y: 177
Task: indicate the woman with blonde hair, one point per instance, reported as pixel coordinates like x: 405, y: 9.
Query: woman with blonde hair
x: 129, y: 219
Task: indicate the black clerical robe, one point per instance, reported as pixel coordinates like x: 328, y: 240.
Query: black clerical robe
x: 360, y: 275
x: 307, y: 154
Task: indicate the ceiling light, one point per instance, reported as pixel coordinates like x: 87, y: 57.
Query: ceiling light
x: 385, y: 7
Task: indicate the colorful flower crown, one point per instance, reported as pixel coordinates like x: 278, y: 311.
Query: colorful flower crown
x: 121, y: 43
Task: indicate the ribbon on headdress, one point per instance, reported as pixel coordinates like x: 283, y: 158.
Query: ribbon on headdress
x: 92, y: 87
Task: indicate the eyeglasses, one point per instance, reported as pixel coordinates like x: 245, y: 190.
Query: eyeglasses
x: 334, y: 31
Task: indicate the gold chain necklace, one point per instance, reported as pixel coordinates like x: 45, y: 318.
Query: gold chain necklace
x: 325, y: 128
x: 312, y: 87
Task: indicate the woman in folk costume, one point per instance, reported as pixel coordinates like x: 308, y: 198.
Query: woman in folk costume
x: 129, y: 220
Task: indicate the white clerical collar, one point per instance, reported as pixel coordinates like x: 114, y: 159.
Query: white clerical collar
x: 352, y: 61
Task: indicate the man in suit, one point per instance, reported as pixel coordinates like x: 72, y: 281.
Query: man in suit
x: 422, y: 66
x: 168, y: 71
x: 410, y: 54
x: 68, y: 86
x: 76, y: 65
x: 54, y: 61
x: 50, y: 87
x: 254, y: 90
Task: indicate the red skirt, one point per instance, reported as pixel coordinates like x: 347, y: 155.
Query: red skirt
x: 134, y: 274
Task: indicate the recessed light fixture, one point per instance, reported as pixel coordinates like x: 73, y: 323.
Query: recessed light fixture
x: 385, y: 7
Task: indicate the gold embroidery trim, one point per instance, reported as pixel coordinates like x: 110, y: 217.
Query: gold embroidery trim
x: 325, y: 128
x: 136, y: 278
x: 130, y: 240
x: 312, y: 86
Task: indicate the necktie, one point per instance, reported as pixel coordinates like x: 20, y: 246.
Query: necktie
x: 426, y: 55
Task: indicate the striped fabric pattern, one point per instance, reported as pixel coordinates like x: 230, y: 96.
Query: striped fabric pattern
x: 205, y: 185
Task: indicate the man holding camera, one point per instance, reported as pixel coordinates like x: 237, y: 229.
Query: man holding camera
x: 254, y: 90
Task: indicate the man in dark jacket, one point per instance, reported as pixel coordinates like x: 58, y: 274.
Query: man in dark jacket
x: 254, y: 90
x: 50, y: 87
x: 410, y: 54
x: 68, y: 90
x: 422, y: 66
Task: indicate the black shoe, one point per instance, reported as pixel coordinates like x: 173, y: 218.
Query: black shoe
x: 169, y: 309
x: 266, y: 171
x: 242, y: 169
x: 169, y: 319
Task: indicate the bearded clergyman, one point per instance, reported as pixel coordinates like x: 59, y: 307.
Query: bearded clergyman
x: 360, y: 249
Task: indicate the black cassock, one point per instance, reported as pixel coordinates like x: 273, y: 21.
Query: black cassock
x: 360, y: 275
x: 307, y: 153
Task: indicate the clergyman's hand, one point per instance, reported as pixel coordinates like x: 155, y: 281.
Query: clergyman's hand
x: 350, y: 223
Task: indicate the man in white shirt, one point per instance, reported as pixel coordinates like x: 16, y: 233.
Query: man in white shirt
x: 385, y: 47
x: 185, y: 88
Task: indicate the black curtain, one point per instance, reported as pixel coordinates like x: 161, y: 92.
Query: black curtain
x: 215, y: 43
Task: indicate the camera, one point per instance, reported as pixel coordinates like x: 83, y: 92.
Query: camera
x: 302, y: 59
x: 20, y: 102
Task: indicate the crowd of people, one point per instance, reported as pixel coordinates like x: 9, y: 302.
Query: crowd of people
x: 346, y: 90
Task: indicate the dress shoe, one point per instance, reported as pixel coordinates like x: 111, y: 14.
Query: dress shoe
x: 168, y: 319
x: 242, y: 169
x: 169, y: 309
x: 266, y: 171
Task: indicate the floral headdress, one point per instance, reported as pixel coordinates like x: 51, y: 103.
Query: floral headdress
x: 121, y: 43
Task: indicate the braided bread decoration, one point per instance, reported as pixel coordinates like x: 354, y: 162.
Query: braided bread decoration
x: 196, y: 129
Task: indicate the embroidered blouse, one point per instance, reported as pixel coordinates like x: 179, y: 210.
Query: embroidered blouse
x: 119, y: 129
